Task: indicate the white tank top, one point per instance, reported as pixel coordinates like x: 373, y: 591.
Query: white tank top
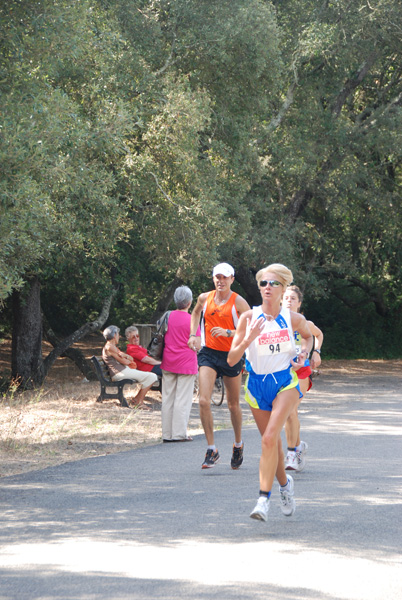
x: 275, y: 347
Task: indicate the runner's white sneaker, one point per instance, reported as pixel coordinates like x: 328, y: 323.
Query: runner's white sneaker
x: 301, y: 456
x: 261, y: 509
x: 288, y: 504
x: 304, y: 446
x: 291, y: 463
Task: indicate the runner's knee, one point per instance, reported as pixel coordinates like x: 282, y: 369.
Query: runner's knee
x: 204, y: 403
x: 233, y: 404
x: 269, y: 442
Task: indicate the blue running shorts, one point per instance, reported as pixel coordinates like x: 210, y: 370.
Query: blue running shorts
x: 261, y: 390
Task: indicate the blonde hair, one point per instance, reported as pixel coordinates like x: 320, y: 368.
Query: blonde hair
x: 284, y: 275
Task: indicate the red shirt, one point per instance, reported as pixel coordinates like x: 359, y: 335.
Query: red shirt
x: 138, y: 353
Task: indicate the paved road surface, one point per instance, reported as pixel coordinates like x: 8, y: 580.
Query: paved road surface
x: 151, y: 524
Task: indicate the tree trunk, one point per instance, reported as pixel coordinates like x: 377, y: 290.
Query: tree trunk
x: 27, y: 365
x: 247, y: 280
x: 75, y: 355
x: 373, y: 294
x: 166, y: 299
x: 63, y: 345
x: 26, y: 354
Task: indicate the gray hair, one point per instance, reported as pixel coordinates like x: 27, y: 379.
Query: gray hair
x: 110, y: 332
x: 131, y: 329
x: 183, y: 296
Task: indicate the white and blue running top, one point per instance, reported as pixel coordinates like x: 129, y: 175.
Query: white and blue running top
x: 275, y: 347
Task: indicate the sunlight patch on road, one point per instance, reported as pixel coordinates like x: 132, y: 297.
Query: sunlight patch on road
x: 263, y: 562
x: 357, y: 425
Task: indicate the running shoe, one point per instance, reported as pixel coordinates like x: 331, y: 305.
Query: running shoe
x: 288, y: 504
x: 301, y: 456
x: 304, y: 446
x: 237, y: 457
x: 260, y: 512
x: 291, y: 463
x: 211, y: 458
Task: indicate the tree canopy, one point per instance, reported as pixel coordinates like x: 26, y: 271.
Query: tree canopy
x: 142, y: 141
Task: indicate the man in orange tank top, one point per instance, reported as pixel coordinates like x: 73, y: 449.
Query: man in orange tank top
x: 220, y: 311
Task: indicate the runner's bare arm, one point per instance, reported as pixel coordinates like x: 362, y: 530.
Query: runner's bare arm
x: 315, y: 359
x: 242, y: 305
x: 243, y: 338
x: 300, y: 324
x: 195, y: 320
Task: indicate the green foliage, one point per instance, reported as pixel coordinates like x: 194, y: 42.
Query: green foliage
x: 144, y: 140
x: 365, y: 335
x: 57, y: 183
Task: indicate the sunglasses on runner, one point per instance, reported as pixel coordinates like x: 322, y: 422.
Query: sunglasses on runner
x: 272, y: 283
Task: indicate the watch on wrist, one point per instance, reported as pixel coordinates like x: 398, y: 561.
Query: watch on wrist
x: 317, y: 350
x: 229, y: 332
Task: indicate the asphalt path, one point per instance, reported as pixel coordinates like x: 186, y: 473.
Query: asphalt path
x: 150, y: 523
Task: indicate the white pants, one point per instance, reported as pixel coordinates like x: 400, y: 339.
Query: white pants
x: 145, y: 378
x: 177, y: 398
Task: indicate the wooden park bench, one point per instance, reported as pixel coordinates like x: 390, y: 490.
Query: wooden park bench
x: 102, y: 373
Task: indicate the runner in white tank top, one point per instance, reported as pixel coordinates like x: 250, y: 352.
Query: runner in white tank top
x: 275, y: 347
x: 266, y: 335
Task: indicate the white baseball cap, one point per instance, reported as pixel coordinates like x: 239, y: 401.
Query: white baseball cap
x: 223, y: 269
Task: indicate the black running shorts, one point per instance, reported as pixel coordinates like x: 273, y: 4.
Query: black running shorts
x: 216, y: 359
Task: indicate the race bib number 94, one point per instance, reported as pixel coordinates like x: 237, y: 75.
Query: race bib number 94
x: 274, y: 342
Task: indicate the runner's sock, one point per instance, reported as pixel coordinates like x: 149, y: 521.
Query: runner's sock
x: 265, y: 494
x: 238, y: 445
x: 283, y: 487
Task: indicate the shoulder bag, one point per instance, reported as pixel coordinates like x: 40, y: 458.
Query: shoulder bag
x: 157, y: 343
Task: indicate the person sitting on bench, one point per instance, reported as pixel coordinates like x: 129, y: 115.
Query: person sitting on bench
x: 122, y: 366
x: 139, y: 353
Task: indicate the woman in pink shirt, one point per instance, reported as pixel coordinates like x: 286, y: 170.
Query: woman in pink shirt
x: 179, y: 368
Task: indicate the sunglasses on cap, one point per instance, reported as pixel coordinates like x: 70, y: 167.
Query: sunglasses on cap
x: 272, y: 283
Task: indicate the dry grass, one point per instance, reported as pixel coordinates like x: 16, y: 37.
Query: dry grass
x: 63, y: 422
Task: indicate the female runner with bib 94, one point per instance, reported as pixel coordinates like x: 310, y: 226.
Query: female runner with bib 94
x: 265, y: 334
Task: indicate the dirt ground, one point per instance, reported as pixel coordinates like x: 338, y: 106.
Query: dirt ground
x: 62, y: 421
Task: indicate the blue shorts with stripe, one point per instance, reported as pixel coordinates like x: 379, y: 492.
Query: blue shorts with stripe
x: 261, y: 390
